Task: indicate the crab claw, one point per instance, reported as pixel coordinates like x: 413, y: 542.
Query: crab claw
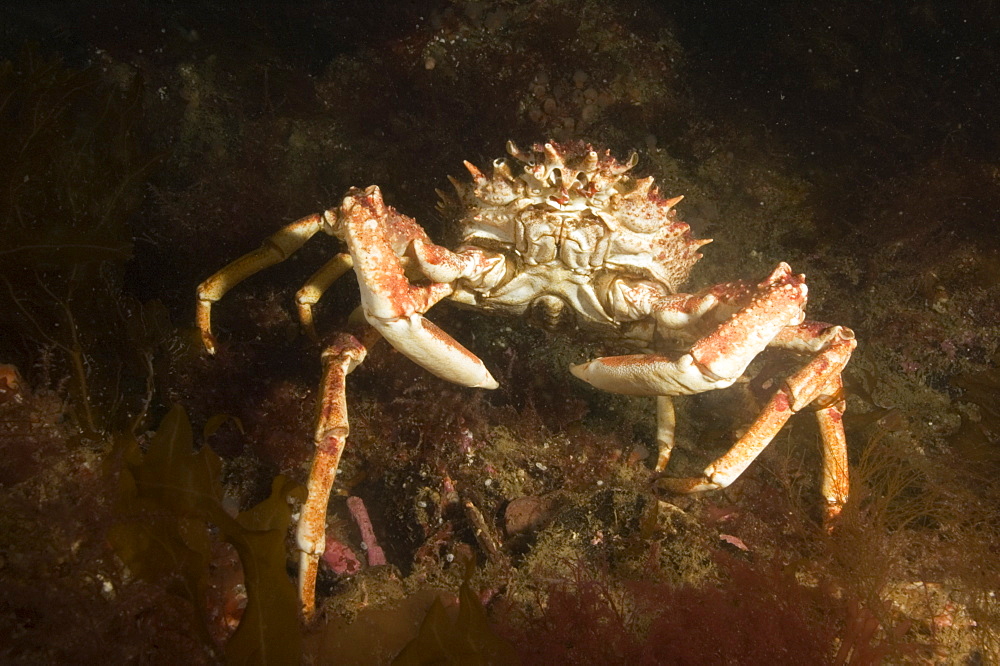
x: 715, y: 361
x: 777, y: 303
x: 377, y: 236
x: 428, y: 346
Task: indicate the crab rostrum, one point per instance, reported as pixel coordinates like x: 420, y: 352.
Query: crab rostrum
x: 569, y: 236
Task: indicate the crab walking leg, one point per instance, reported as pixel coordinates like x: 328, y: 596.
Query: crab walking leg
x: 813, y: 337
x: 275, y: 249
x: 730, y: 465
x: 377, y: 237
x: 314, y: 288
x: 666, y: 424
x: 339, y: 359
x: 799, y: 390
x: 836, y: 482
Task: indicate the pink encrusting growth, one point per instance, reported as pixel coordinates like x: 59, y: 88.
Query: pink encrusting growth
x: 340, y: 558
x: 376, y: 556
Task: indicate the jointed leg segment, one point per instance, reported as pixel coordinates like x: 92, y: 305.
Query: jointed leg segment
x: 836, y: 485
x: 666, y: 425
x: 378, y: 241
x: 275, y: 249
x: 771, y: 316
x: 316, y: 286
x: 339, y: 359
x: 820, y: 379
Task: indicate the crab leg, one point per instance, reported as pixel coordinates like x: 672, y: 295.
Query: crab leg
x: 313, y: 289
x: 666, y: 424
x: 819, y: 379
x: 715, y: 361
x: 812, y: 337
x: 275, y: 249
x: 339, y: 359
x: 377, y: 237
x: 836, y: 481
x: 772, y: 317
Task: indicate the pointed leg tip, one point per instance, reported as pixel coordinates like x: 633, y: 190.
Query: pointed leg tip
x: 687, y: 486
x: 831, y: 516
x: 210, y: 346
x: 486, y: 382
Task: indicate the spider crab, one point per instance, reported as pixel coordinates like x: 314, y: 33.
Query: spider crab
x: 572, y: 235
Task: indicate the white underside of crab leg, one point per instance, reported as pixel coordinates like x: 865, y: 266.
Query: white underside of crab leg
x: 648, y: 374
x: 428, y: 346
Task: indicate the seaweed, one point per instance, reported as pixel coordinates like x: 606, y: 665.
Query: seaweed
x: 466, y: 638
x: 170, y: 498
x: 979, y: 438
x: 757, y: 613
x: 754, y: 615
x: 72, y: 174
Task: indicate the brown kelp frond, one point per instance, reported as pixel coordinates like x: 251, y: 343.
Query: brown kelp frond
x: 170, y: 497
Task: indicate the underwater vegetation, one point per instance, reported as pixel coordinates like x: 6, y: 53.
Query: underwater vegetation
x: 978, y: 438
x: 468, y: 638
x: 755, y: 615
x: 171, y: 502
x: 72, y: 174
